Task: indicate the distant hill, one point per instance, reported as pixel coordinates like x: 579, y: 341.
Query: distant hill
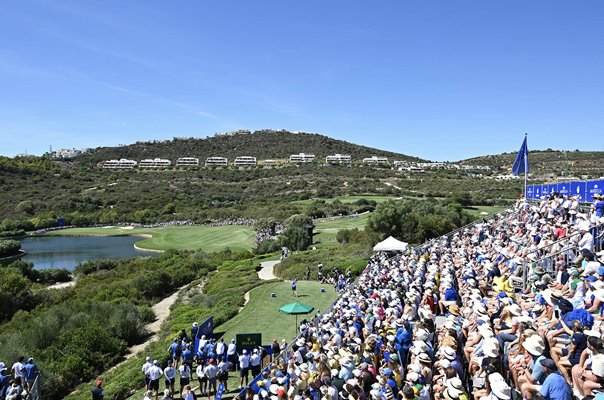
x: 548, y: 162
x: 264, y: 144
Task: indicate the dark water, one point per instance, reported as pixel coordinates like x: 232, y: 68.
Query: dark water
x: 69, y: 251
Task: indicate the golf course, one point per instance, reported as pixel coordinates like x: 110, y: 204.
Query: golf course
x: 261, y: 313
x: 206, y: 238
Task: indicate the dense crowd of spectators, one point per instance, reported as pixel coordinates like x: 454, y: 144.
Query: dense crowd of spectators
x: 444, y: 322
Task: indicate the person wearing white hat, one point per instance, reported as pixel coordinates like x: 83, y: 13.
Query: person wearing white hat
x: 534, y: 375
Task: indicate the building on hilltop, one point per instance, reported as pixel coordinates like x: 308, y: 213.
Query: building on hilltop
x: 269, y: 163
x: 245, y: 161
x: 301, y: 158
x: 122, y: 163
x: 216, y: 162
x: 155, y: 163
x: 375, y: 160
x: 187, y: 162
x: 338, y: 159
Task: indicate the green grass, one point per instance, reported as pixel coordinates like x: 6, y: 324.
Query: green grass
x: 349, y: 199
x: 261, y: 314
x: 476, y: 210
x: 206, y: 238
x: 326, y: 230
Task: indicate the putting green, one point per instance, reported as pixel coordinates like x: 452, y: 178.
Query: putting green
x: 261, y: 313
x: 206, y: 238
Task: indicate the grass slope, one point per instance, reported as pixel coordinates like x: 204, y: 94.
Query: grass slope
x: 206, y: 238
x: 348, y: 199
x: 261, y: 314
x: 326, y: 230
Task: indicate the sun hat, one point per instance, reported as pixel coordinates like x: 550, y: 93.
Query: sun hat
x: 515, y: 309
x: 273, y: 388
x: 533, y: 347
x: 455, y: 386
x: 423, y: 357
x: 449, y: 353
x: 501, y: 390
x: 490, y: 351
x: 495, y: 377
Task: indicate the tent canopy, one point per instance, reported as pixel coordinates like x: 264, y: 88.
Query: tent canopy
x: 391, y: 244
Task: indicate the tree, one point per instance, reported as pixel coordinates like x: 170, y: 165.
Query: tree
x: 296, y: 235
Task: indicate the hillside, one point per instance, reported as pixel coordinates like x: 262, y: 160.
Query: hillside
x: 547, y: 162
x: 265, y: 144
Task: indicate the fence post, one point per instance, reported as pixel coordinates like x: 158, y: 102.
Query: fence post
x: 524, y: 274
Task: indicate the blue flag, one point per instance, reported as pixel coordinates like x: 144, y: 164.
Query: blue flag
x: 521, y: 163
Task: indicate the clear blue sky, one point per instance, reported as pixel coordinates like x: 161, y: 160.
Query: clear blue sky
x: 443, y: 80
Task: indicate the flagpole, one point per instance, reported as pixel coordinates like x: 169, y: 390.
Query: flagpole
x: 525, y: 163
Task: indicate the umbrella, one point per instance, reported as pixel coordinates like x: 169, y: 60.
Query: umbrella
x: 295, y: 309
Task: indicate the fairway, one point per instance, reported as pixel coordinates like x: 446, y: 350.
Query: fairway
x: 349, y: 199
x: 326, y: 230
x: 261, y: 314
x: 206, y: 238
x: 476, y: 210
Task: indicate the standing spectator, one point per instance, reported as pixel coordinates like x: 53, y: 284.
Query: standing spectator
x: 170, y: 377
x: 17, y: 367
x: 154, y: 372
x: 211, y: 372
x: 223, y: 373
x: 220, y: 349
x: 31, y: 372
x: 175, y: 351
x: 275, y: 349
x: 202, y: 378
x: 185, y: 376
x: 232, y: 353
x: 145, y: 368
x: 194, y: 329
x: 187, y: 355
x: 98, y: 393
x: 244, y: 366
x: 255, y: 363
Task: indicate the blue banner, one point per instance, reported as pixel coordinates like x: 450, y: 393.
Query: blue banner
x: 537, y: 192
x: 521, y: 162
x: 594, y: 187
x: 553, y: 188
x: 544, y: 191
x: 219, y: 392
x: 530, y: 192
x: 578, y: 189
x: 564, y: 188
x: 206, y: 329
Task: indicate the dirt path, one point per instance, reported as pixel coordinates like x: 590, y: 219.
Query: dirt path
x: 62, y: 285
x: 266, y: 273
x: 162, y: 312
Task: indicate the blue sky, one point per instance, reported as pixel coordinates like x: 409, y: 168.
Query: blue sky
x: 443, y: 80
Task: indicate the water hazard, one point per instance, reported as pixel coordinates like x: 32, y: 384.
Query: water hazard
x: 69, y: 251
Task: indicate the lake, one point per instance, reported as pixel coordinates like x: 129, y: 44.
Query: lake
x: 69, y: 251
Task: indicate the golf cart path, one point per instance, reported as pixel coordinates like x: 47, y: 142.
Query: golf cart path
x: 265, y: 274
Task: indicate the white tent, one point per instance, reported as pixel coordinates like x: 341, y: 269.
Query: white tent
x: 391, y: 244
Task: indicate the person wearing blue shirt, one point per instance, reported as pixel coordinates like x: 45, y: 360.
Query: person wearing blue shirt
x: 187, y: 356
x: 175, y: 351
x: 31, y: 372
x: 554, y: 386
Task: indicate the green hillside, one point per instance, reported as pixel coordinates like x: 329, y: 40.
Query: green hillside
x: 264, y: 144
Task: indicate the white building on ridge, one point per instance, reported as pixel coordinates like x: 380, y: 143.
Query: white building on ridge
x: 245, y: 161
x: 155, y: 163
x: 122, y: 163
x: 187, y: 162
x: 375, y: 160
x: 216, y: 162
x: 338, y: 159
x: 301, y: 158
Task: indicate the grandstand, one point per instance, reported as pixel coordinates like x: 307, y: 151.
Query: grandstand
x: 443, y: 321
